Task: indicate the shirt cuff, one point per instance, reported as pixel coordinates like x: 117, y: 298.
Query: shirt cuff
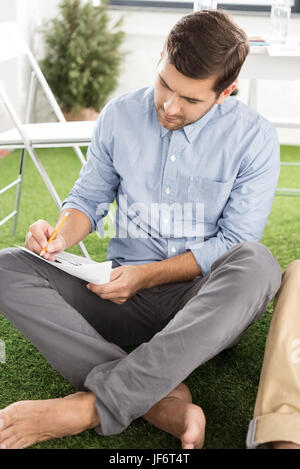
x: 202, y: 259
x: 208, y: 252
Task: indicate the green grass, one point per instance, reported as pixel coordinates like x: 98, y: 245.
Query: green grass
x: 225, y: 386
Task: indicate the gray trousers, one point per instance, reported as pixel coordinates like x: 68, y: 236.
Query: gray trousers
x: 176, y: 327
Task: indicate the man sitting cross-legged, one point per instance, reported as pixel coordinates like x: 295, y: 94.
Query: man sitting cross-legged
x: 185, y: 283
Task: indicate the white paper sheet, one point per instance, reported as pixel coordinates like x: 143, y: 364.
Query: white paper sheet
x: 81, y: 267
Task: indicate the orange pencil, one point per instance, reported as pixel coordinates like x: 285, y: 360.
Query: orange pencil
x: 54, y: 234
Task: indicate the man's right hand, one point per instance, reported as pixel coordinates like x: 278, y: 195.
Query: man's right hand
x: 37, y: 238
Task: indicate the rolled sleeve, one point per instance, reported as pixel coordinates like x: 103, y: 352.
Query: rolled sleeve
x: 250, y: 202
x: 98, y: 181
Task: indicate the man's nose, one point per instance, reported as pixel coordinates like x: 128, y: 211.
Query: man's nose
x: 171, y: 106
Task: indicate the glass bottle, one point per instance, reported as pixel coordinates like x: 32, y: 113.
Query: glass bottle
x: 205, y: 5
x: 280, y: 16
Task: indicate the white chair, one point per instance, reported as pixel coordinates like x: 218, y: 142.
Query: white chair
x: 28, y: 136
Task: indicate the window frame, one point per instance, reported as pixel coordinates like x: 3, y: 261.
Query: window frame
x: 189, y: 5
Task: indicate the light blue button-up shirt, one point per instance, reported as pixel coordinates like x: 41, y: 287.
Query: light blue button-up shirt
x: 227, y: 162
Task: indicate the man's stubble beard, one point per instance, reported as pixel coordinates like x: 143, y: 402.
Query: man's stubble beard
x: 178, y: 123
x: 182, y: 122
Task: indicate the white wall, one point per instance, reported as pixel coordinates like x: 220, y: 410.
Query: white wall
x: 15, y: 75
x: 146, y: 30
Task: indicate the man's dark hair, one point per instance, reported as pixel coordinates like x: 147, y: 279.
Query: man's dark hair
x: 206, y: 44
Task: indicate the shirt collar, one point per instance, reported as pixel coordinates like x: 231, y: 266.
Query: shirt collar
x: 191, y: 130
x: 163, y: 131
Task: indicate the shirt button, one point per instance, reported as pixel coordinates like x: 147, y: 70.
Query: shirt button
x: 173, y: 250
x: 167, y: 190
x: 173, y: 158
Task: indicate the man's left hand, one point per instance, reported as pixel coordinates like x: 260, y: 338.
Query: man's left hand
x: 125, y: 282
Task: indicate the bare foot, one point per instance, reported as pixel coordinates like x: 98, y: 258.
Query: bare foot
x: 284, y: 445
x: 182, y: 419
x: 24, y: 423
x: 194, y: 428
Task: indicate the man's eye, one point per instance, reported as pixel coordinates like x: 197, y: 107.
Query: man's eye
x: 191, y: 101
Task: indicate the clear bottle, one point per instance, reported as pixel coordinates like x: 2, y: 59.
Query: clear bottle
x: 205, y: 5
x: 280, y: 16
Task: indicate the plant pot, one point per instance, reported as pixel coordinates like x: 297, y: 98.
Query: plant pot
x: 86, y: 114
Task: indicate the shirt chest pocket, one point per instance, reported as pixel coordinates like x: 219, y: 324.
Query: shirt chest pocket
x: 213, y: 194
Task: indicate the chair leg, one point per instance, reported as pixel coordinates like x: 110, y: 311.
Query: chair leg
x: 18, y: 193
x: 38, y: 164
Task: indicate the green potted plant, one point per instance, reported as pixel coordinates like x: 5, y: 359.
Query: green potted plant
x: 82, y: 57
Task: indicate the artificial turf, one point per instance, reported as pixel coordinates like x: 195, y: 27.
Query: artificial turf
x: 225, y: 387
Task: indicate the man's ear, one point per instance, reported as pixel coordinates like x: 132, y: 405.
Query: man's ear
x: 227, y: 92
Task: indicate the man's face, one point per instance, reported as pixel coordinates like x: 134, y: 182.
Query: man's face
x: 180, y: 100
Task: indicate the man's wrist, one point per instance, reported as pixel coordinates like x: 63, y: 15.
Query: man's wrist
x: 147, y: 273
x: 179, y: 268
